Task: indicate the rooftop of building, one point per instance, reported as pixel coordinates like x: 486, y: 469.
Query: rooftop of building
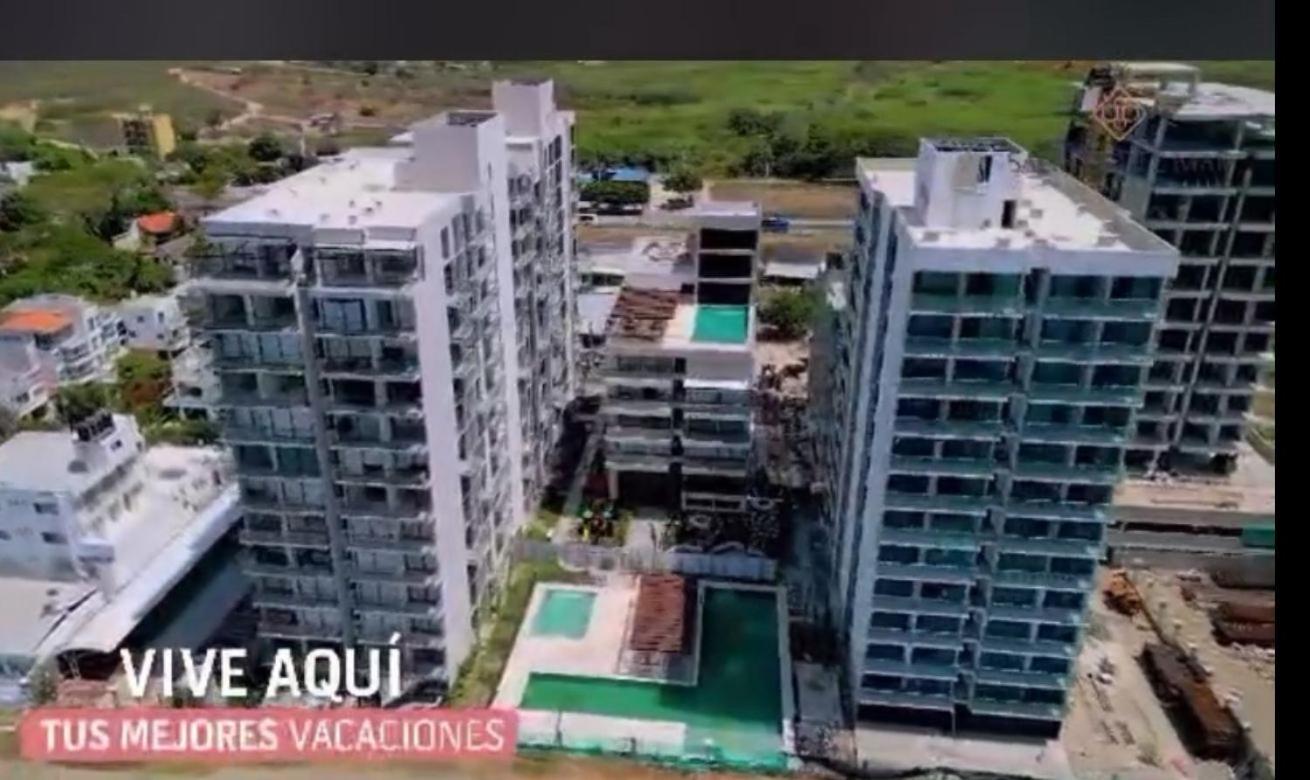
x: 1054, y: 212
x: 158, y: 223
x: 1178, y: 89
x: 726, y: 208
x: 56, y: 461
x: 670, y: 319
x: 354, y: 191
x: 34, y: 321
x: 647, y: 258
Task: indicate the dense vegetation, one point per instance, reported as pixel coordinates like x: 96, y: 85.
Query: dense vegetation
x: 616, y: 193
x: 788, y: 312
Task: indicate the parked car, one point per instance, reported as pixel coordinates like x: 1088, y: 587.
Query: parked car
x: 775, y: 223
x: 587, y: 219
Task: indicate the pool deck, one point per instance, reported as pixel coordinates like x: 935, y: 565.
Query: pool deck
x: 596, y: 653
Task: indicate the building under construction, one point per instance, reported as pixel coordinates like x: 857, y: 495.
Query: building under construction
x: 1195, y: 162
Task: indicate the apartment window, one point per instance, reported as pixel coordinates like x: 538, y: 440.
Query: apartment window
x: 1006, y: 629
x: 896, y: 554
x: 1060, y: 599
x: 935, y: 656
x: 1051, y: 632
x: 886, y: 652
x: 1006, y: 662
x: 51, y: 537
x: 901, y: 588
x: 938, y: 624
x: 984, y: 169
x: 897, y: 621
x: 1047, y: 665
x: 1014, y: 597
x: 45, y: 509
x: 935, y: 283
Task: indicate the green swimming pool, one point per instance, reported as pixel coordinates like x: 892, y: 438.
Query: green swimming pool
x: 721, y: 324
x: 735, y: 709
x: 564, y: 612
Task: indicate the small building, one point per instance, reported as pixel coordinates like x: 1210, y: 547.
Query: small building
x: 155, y: 323
x: 147, y: 134
x: 74, y: 338
x: 679, y: 369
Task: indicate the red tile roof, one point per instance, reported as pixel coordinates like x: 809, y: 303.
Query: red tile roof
x: 159, y: 223
x: 34, y: 321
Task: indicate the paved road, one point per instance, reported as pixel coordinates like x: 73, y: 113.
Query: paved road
x: 684, y: 218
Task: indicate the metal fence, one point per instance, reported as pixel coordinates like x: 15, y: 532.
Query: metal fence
x: 733, y: 566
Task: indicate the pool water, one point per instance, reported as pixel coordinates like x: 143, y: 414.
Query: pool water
x: 564, y: 613
x: 736, y: 705
x: 721, y: 324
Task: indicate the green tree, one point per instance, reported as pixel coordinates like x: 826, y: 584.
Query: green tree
x: 19, y: 210
x: 683, y: 180
x: 43, y: 683
x: 619, y: 193
x: 789, y: 312
x: 144, y: 380
x: 78, y: 402
x: 265, y: 148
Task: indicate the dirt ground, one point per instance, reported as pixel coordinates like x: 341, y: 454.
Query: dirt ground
x: 1118, y: 727
x: 794, y: 199
x: 1244, y: 672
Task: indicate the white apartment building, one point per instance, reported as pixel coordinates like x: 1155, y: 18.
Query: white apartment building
x: 76, y: 339
x: 155, y: 323
x: 95, y: 531
x: 679, y: 367
x: 25, y: 384
x: 363, y: 318
x: 975, y: 395
x: 539, y: 156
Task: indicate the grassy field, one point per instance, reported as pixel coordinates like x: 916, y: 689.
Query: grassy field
x: 814, y: 201
x: 75, y: 96
x: 676, y: 110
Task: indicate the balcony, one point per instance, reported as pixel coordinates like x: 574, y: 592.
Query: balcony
x: 400, y: 608
x: 270, y: 628
x: 902, y: 669
x: 1015, y: 709
x: 370, y: 509
x: 308, y: 539
x: 971, y: 391
x: 1042, y: 579
x: 920, y: 606
x: 953, y: 575
x: 930, y: 347
x: 999, y: 306
x: 934, y: 539
x: 906, y: 699
x: 975, y: 505
x: 1051, y: 510
x: 411, y: 576
x: 1057, y: 472
x: 961, y: 467
x: 412, y: 544
x: 237, y: 434
x: 1129, y: 309
x: 1064, y: 617
x: 412, y: 445
x: 293, y: 600
x: 1026, y: 647
x: 366, y: 368
x: 950, y: 429
x: 916, y: 638
x: 410, y: 477
x: 1108, y: 396
x: 1074, y: 434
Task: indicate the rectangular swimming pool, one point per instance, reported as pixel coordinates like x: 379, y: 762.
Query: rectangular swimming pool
x: 721, y: 324
x: 563, y: 612
x: 735, y: 709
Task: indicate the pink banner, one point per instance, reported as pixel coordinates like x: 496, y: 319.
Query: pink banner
x: 263, y: 735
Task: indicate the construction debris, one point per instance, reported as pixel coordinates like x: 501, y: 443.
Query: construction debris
x: 1121, y: 595
x: 1182, y: 687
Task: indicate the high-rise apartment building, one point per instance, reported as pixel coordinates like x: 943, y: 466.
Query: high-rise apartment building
x: 1198, y: 169
x: 977, y: 387
x: 679, y: 367
x: 365, y: 319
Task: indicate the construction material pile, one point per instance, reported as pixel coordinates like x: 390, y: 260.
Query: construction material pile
x: 1121, y: 595
x: 1210, y: 728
